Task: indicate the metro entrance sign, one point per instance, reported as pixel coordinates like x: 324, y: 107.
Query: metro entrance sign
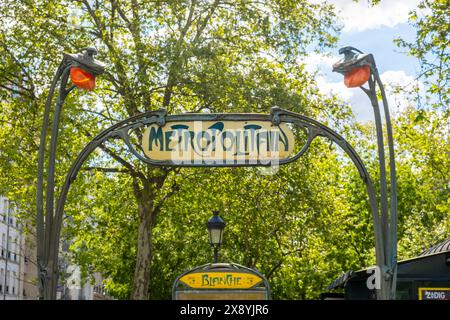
x: 218, y: 142
x: 221, y: 281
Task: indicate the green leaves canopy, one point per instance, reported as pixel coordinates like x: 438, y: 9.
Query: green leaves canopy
x: 300, y: 227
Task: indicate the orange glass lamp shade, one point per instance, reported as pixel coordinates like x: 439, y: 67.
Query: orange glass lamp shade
x: 357, y: 77
x: 82, y: 79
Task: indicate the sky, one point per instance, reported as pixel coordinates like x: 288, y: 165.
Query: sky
x: 371, y: 30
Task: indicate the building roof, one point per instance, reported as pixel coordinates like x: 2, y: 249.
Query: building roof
x: 340, y: 282
x: 441, y: 247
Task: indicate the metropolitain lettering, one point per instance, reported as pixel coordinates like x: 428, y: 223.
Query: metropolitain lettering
x: 218, y: 141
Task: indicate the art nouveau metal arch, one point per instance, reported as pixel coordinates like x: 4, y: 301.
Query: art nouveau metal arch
x: 277, y: 116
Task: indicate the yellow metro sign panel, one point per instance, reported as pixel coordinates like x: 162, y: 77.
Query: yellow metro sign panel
x: 220, y: 280
x: 218, y: 141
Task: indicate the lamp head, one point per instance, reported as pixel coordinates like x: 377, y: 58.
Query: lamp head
x: 85, y: 60
x: 84, y: 68
x: 355, y: 66
x: 352, y: 58
x: 215, y: 229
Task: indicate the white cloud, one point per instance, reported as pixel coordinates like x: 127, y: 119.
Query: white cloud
x: 315, y: 61
x: 314, y: 58
x: 322, y: 64
x: 398, y: 86
x: 355, y: 97
x: 398, y: 100
x: 334, y: 88
x: 359, y: 16
x: 397, y: 83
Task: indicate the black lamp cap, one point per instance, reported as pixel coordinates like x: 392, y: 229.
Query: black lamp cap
x: 352, y: 58
x: 216, y: 222
x: 85, y: 59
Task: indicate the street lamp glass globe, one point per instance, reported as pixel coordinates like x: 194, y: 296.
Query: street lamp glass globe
x: 357, y: 76
x: 215, y: 236
x: 82, y: 79
x: 215, y: 229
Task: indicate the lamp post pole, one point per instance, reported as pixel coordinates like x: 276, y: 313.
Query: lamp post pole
x: 353, y: 61
x: 47, y: 232
x: 216, y: 254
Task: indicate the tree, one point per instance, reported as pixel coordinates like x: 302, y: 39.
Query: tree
x: 181, y: 55
x: 431, y: 48
x: 424, y: 142
x: 293, y: 226
x: 422, y: 155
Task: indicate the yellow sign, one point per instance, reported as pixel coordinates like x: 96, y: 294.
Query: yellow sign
x: 218, y: 142
x: 221, y: 280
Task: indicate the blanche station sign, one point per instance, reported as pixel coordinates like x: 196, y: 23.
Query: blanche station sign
x: 218, y: 142
x: 221, y: 280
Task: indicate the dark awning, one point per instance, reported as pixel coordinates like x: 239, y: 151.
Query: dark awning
x: 441, y: 247
x: 340, y: 282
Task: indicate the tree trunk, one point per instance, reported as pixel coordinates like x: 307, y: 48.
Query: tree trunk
x: 144, y: 247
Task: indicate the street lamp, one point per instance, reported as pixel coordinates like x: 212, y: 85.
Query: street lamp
x: 215, y: 229
x: 82, y: 69
x: 359, y: 68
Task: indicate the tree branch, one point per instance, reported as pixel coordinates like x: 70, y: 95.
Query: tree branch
x: 107, y: 170
x: 174, y: 66
x: 115, y: 156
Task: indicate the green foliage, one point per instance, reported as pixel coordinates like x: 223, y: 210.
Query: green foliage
x: 310, y: 221
x: 424, y: 172
x: 294, y: 226
x: 184, y: 55
x: 301, y: 227
x: 431, y: 47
